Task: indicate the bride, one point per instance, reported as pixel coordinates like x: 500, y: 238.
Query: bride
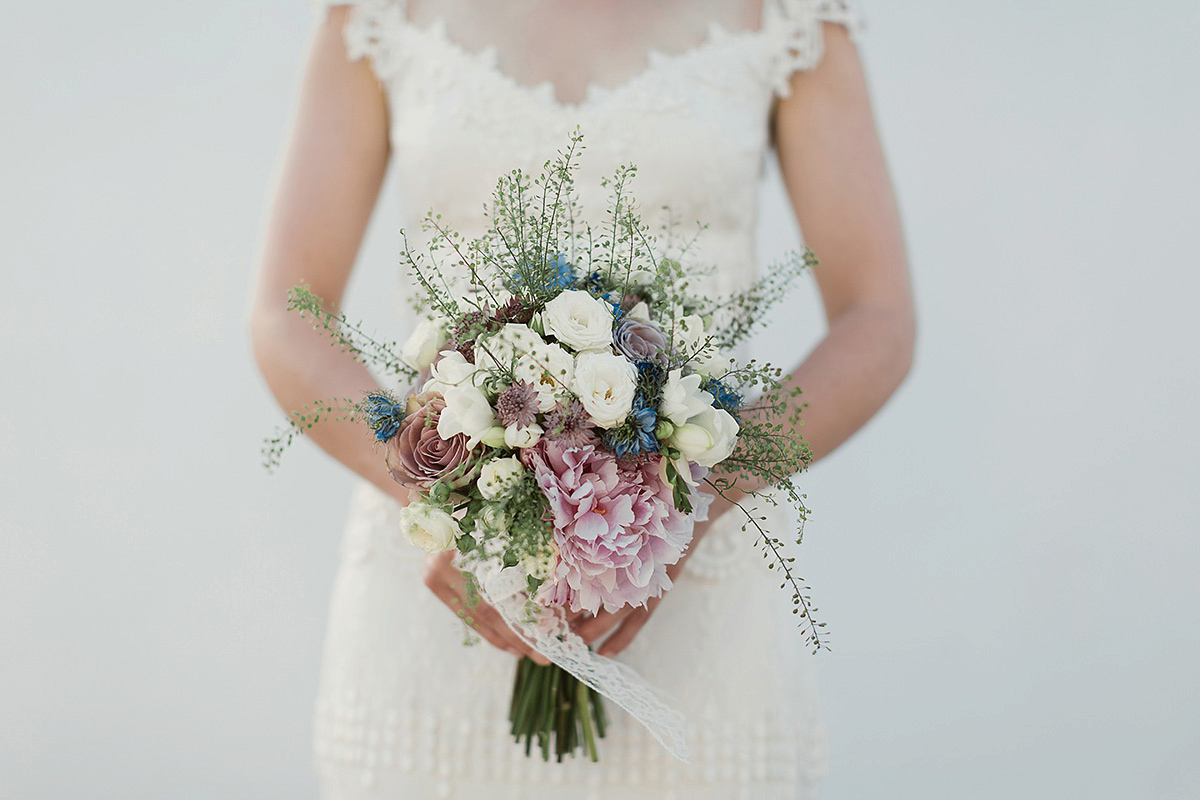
x: 451, y: 94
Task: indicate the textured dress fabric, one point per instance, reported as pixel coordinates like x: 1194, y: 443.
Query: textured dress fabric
x: 404, y: 709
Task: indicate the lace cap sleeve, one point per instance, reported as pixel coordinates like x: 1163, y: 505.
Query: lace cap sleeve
x: 796, y: 35
x: 371, y: 30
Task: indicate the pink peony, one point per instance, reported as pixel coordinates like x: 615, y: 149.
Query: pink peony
x: 615, y: 524
x: 418, y: 457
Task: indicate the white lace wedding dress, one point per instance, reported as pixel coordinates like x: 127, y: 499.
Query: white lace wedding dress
x: 684, y: 89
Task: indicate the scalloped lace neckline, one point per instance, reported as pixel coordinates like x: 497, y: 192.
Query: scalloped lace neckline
x: 546, y: 92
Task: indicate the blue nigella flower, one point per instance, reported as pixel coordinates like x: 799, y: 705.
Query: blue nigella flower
x: 646, y: 420
x: 723, y: 396
x: 593, y: 283
x: 383, y: 414
x: 564, y: 273
x: 636, y: 436
x: 616, y: 305
x: 563, y: 277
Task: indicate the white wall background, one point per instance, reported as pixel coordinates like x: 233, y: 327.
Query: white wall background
x: 1007, y: 556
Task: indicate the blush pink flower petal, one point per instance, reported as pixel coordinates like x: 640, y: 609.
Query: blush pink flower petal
x: 615, y: 525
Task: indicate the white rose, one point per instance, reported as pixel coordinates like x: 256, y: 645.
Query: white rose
x: 605, y: 384
x: 423, y: 345
x: 707, y: 438
x: 468, y: 412
x: 499, y: 476
x: 579, y: 320
x: 549, y: 368
x: 523, y: 437
x: 429, y: 528
x: 682, y: 398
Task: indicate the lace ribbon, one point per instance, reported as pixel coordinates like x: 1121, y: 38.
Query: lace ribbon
x: 546, y: 631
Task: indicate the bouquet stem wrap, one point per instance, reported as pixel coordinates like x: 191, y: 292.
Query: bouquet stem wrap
x: 546, y: 631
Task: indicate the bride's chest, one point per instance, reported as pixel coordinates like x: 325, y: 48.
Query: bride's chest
x: 694, y: 120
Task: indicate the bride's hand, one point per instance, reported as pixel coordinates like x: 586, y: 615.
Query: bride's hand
x: 447, y: 582
x: 625, y: 623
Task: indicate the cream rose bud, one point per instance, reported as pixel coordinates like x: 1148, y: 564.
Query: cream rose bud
x: 494, y: 518
x: 605, y: 384
x: 523, y: 437
x: 467, y: 412
x: 579, y: 320
x: 692, y: 441
x: 493, y: 437
x: 682, y: 397
x: 423, y: 345
x: 541, y: 565
x: 499, y: 476
x: 707, y: 438
x: 429, y: 528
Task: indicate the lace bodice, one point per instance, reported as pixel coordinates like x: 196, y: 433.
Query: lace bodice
x: 459, y: 117
x: 684, y: 89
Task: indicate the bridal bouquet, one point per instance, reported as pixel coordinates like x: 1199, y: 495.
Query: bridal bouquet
x: 570, y: 404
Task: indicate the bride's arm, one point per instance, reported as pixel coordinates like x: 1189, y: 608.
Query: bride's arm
x: 834, y: 171
x: 332, y: 173
x: 836, y: 178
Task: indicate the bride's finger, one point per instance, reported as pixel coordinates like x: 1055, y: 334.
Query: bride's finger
x: 626, y: 631
x: 593, y: 628
x: 447, y: 584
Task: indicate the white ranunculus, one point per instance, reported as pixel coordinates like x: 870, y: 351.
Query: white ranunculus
x: 499, y: 476
x: 579, y: 320
x: 549, y: 368
x: 605, y: 384
x: 467, y: 412
x: 449, y: 372
x: 523, y: 437
x: 422, y: 347
x: 707, y: 438
x: 429, y: 528
x: 682, y: 397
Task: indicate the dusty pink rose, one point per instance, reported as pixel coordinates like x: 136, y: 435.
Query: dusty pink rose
x: 615, y: 525
x: 418, y: 457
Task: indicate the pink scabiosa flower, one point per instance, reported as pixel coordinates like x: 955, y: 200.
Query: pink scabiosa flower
x: 615, y: 526
x: 517, y: 406
x: 569, y: 425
